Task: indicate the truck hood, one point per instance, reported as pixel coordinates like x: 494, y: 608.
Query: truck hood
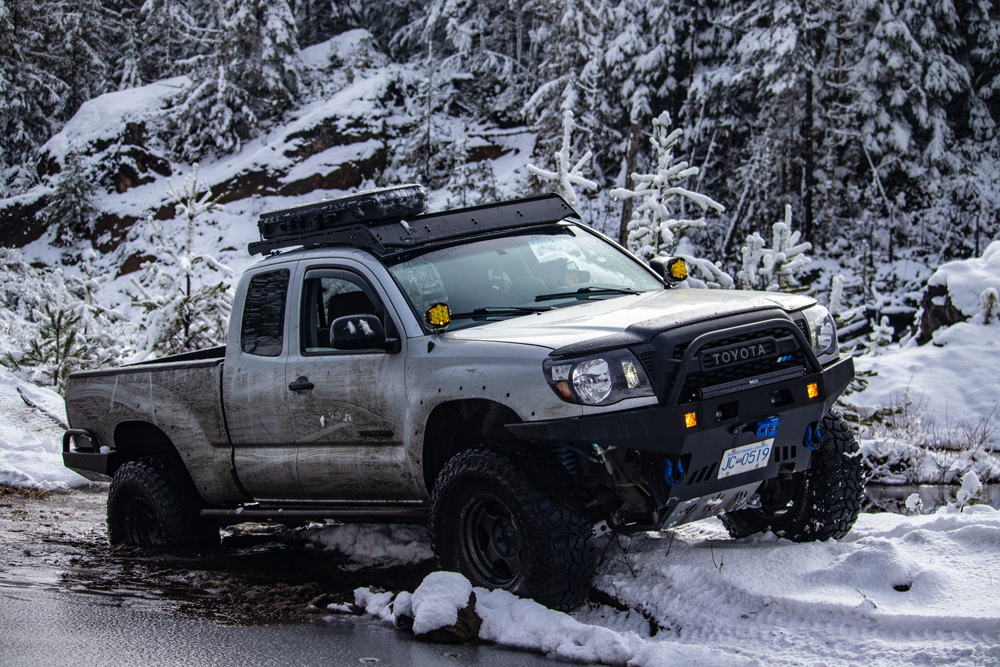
x: 598, y: 318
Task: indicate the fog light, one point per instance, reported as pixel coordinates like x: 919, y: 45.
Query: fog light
x: 690, y: 419
x: 812, y: 389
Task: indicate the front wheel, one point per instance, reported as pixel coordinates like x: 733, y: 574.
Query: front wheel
x: 153, y: 504
x: 515, y: 526
x: 816, y: 504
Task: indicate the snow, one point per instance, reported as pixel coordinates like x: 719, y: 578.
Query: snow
x: 950, y: 383
x: 105, y: 116
x: 374, y: 544
x: 967, y: 279
x: 30, y: 439
x: 898, y: 590
x: 437, y: 601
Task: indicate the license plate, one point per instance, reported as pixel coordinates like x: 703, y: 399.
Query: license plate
x: 745, y: 458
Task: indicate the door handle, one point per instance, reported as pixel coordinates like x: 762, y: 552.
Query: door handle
x: 301, y: 384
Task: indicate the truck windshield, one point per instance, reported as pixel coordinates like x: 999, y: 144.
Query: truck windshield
x: 519, y: 274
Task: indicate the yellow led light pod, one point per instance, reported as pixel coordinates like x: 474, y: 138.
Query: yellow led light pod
x: 678, y: 269
x: 438, y: 316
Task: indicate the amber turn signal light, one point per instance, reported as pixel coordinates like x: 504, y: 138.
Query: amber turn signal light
x: 812, y: 390
x: 690, y: 419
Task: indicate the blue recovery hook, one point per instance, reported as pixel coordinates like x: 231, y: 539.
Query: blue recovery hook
x: 813, y: 438
x: 768, y: 428
x: 672, y: 474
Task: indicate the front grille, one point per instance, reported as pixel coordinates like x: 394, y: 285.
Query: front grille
x: 697, y: 379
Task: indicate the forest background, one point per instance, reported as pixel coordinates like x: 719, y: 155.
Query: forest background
x: 868, y: 126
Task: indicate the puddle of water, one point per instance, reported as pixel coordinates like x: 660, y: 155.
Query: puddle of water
x: 892, y: 498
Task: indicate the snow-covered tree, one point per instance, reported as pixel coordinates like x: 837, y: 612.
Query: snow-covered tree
x: 105, y: 329
x: 776, y: 268
x: 58, y: 346
x: 183, y: 309
x: 251, y: 76
x: 568, y: 175
x: 658, y: 223
x: 71, y: 210
x: 880, y: 336
x: 170, y: 36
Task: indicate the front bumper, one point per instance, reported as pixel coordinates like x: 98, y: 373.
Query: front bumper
x: 724, y: 422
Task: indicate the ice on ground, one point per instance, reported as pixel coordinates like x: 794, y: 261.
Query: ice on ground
x: 438, y: 599
x: 374, y: 544
x: 30, y: 439
x: 898, y: 590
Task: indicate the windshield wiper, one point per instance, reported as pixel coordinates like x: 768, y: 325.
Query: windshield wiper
x: 585, y: 292
x: 500, y: 311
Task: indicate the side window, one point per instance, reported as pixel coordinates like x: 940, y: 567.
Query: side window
x: 263, y: 329
x: 328, y: 294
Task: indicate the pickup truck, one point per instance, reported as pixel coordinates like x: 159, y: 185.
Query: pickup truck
x: 503, y: 373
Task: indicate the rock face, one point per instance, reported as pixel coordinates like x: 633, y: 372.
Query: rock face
x: 934, y: 316
x: 463, y: 631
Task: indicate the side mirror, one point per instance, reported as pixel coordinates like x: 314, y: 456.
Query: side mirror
x: 672, y: 269
x: 358, y: 332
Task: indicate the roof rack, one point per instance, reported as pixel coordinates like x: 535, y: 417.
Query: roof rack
x: 399, y: 233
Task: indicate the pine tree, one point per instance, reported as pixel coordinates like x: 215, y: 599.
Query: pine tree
x: 251, y: 77
x: 654, y: 229
x: 776, y: 268
x: 58, y: 347
x: 179, y: 314
x: 71, y: 210
x: 567, y: 177
x: 169, y: 35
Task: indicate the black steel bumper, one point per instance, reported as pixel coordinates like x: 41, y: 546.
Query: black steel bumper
x: 89, y: 463
x: 723, y: 422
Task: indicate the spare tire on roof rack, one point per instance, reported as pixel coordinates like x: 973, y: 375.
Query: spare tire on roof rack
x: 368, y: 207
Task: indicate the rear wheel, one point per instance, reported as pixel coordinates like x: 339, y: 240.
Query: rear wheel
x: 816, y: 504
x: 515, y: 526
x: 152, y: 503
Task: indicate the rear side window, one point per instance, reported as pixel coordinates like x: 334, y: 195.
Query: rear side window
x: 263, y: 329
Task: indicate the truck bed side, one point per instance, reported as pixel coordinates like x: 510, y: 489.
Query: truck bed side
x: 153, y: 409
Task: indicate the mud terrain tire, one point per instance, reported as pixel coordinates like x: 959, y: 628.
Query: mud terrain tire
x: 152, y: 503
x: 513, y: 525
x: 816, y: 504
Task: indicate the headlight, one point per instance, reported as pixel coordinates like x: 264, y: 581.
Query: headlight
x: 601, y: 379
x: 822, y: 331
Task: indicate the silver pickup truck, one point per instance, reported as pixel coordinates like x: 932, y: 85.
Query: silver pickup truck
x: 507, y: 375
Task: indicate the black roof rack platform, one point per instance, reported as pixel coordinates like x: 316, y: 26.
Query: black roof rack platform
x: 399, y: 233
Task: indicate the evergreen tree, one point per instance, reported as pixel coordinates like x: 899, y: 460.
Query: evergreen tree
x: 169, y: 35
x: 567, y: 177
x: 251, y: 77
x: 776, y: 268
x: 655, y: 229
x: 58, y: 347
x: 179, y: 314
x: 71, y: 209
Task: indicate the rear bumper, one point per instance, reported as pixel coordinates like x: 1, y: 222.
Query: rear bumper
x: 90, y: 463
x: 724, y: 422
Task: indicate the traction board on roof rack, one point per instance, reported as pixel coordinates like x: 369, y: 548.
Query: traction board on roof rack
x: 370, y: 206
x: 394, y: 235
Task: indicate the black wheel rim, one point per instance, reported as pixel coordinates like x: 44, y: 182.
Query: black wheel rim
x: 492, y: 541
x: 141, y: 524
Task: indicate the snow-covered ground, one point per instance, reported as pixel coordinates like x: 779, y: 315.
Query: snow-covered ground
x: 898, y: 590
x: 31, y: 437
x: 937, y: 406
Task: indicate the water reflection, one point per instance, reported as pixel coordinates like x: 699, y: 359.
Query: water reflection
x: 892, y: 498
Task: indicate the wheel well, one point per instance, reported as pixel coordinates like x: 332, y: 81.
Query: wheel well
x: 456, y: 426
x: 137, y: 439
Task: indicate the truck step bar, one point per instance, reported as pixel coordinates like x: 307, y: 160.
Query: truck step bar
x: 384, y: 513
